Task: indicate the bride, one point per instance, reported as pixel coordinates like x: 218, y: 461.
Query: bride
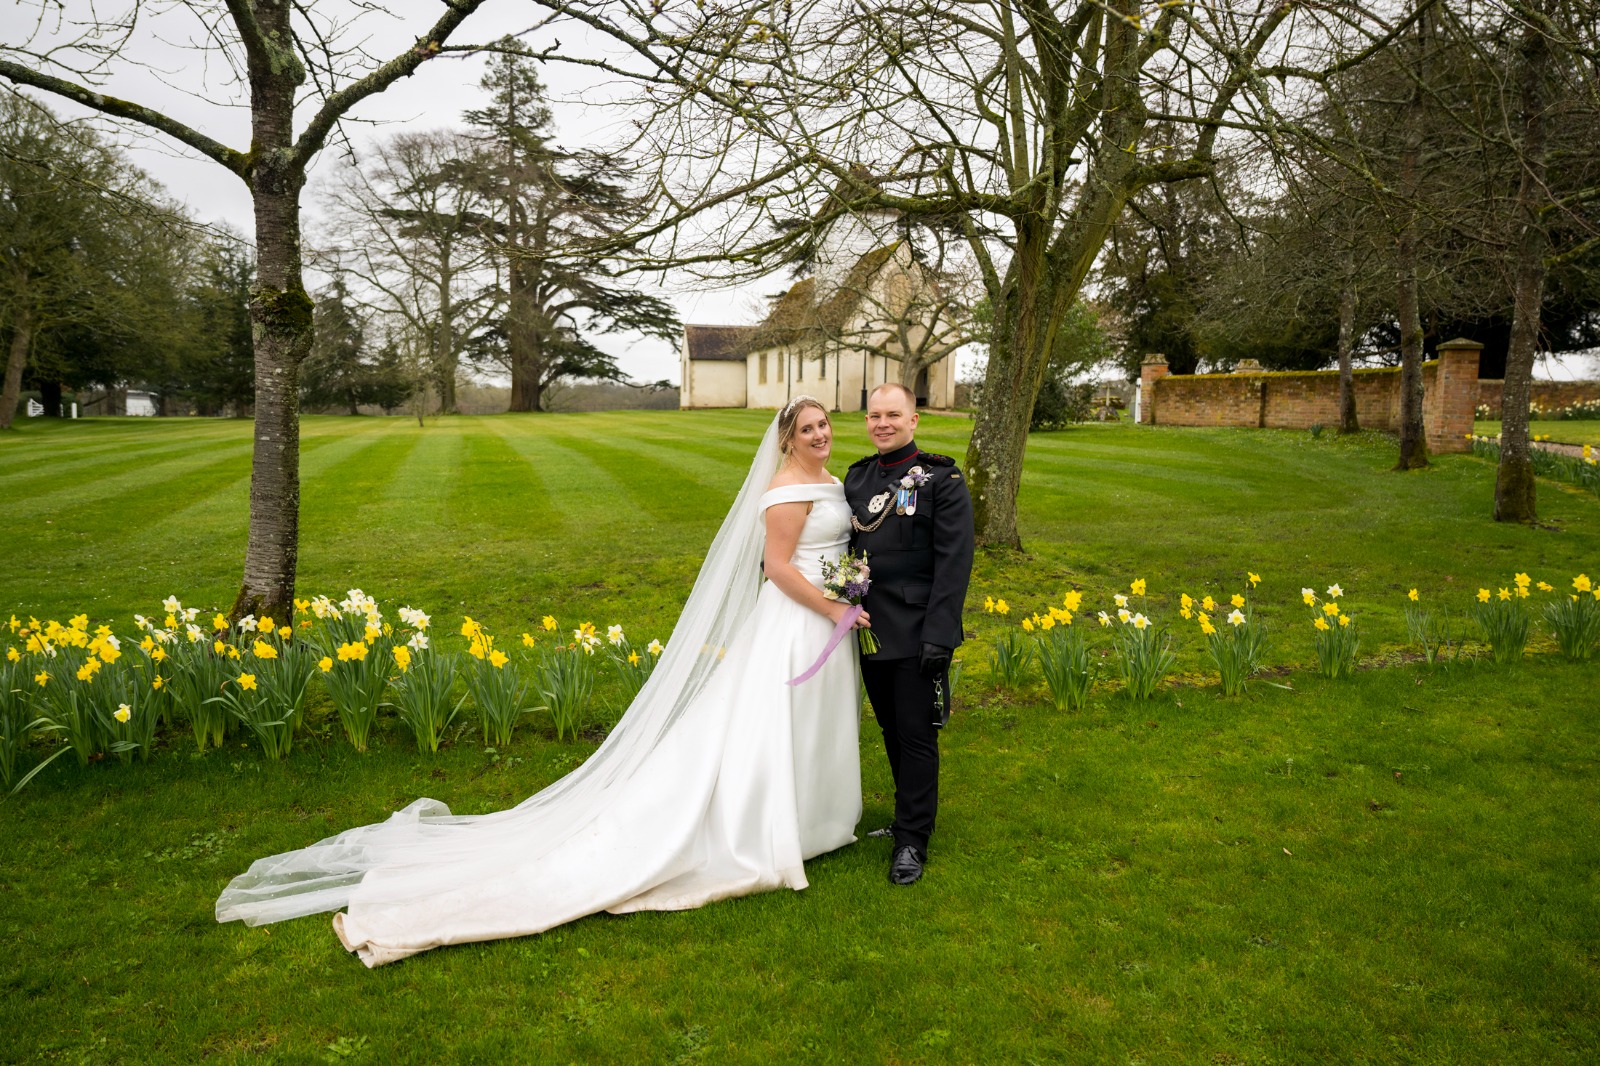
x: 719, y: 781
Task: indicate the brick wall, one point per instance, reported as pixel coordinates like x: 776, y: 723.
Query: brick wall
x: 1547, y: 394
x: 1298, y: 400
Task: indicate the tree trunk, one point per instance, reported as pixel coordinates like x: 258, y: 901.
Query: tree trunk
x: 1018, y: 357
x: 520, y: 341
x: 1514, y: 486
x: 281, y: 326
x: 16, y: 362
x: 1413, y: 437
x: 444, y: 362
x: 1347, y: 339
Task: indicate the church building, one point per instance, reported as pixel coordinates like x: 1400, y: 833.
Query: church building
x: 834, y: 335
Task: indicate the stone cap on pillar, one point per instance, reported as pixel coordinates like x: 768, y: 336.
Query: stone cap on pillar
x: 1460, y: 344
x: 1153, y: 359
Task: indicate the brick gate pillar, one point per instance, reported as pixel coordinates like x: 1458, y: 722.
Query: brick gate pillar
x: 1455, y: 384
x: 1151, y: 369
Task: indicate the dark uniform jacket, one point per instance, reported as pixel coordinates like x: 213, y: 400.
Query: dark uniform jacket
x: 921, y: 562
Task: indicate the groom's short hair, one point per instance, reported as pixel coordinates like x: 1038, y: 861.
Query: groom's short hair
x: 911, y: 397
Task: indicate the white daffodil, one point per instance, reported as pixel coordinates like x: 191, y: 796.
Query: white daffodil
x: 171, y: 605
x: 1105, y: 619
x: 1335, y: 591
x: 141, y: 621
x: 1140, y: 621
x: 654, y: 647
x: 1123, y: 615
x: 1122, y: 601
x: 194, y: 633
x: 191, y: 613
x: 247, y: 622
x: 1236, y: 618
x: 418, y: 642
x: 124, y: 712
x: 614, y: 635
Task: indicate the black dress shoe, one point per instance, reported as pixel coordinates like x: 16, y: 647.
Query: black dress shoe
x: 906, y: 866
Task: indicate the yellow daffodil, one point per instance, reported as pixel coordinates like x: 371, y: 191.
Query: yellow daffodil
x: 469, y: 627
x: 325, y: 664
x: 171, y: 621
x: 88, y: 669
x: 402, y: 657
x: 263, y: 650
x: 1047, y: 623
x: 549, y: 623
x: 159, y: 655
x: 1412, y: 595
x: 527, y: 640
x: 1184, y: 612
x: 1203, y: 616
x: 1072, y: 600
x: 147, y: 643
x: 123, y: 712
x: 247, y: 681
x: 478, y: 649
x: 301, y: 605
x: 14, y: 624
x: 1545, y: 586
x: 1483, y: 595
x: 1344, y: 619
x: 220, y: 647
x: 1207, y: 628
x: 285, y: 632
x: 371, y: 634
x: 1522, y: 592
x: 1236, y: 599
x: 1309, y: 596
x: 1330, y: 608
x: 1520, y: 579
x: 1002, y: 607
x: 157, y: 682
x: 1255, y: 579
x: 13, y: 655
x: 1027, y: 625
x: 1185, y: 601
x: 42, y: 678
x: 219, y: 622
x: 265, y: 625
x: 1209, y: 604
x: 1581, y: 583
x: 498, y: 659
x: 1321, y: 623
x: 233, y: 652
x: 654, y: 647
x: 1137, y: 586
x: 80, y: 622
x: 1504, y: 594
x: 633, y: 658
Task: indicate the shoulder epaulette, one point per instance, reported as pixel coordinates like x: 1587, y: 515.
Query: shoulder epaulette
x: 863, y: 461
x: 935, y: 459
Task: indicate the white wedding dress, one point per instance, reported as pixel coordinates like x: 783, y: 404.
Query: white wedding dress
x: 719, y: 781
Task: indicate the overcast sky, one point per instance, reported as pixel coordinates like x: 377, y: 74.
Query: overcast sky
x: 193, y: 86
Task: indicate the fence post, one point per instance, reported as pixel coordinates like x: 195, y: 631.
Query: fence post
x: 1455, y: 381
x: 1151, y: 369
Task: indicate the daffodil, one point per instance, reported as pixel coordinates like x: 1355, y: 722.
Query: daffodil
x: 402, y: 658
x: 171, y: 604
x: 247, y: 681
x: 1309, y: 596
x: 371, y: 634
x: 1072, y: 600
x: 266, y: 625
x: 219, y: 622
x: 123, y: 712
x: 13, y: 655
x: 1184, y: 612
x: 498, y: 659
x: 14, y: 624
x: 233, y: 652
x: 220, y: 647
x: 1207, y: 628
x: 262, y: 650
x: 1330, y: 608
x: 1321, y: 623
x: 654, y: 648
x: 1105, y: 619
x: 42, y: 678
x: 1255, y: 579
x: 469, y: 627
x: 1203, y: 616
x: 171, y: 621
x: 1344, y: 619
x: 1483, y: 595
x: 1140, y: 622
x: 1209, y: 604
x: 1185, y: 601
x: 356, y: 652
x: 1545, y: 586
x: 79, y: 622
x: 1521, y: 579
x: 148, y: 642
x: 1581, y: 583
x: 1137, y: 586
x: 1122, y: 601
x: 549, y: 623
x: 301, y: 605
x: 1027, y: 625
x: 1047, y: 623
x: 1412, y: 595
x: 1002, y: 607
x: 325, y: 664
x: 1236, y: 599
x: 527, y: 640
x: 1335, y: 591
x: 1504, y: 594
x: 159, y: 655
x: 1236, y: 618
x: 285, y: 632
x: 157, y: 682
x: 1123, y: 614
x: 614, y: 635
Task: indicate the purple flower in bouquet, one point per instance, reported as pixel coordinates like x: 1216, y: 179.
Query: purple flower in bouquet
x: 848, y: 578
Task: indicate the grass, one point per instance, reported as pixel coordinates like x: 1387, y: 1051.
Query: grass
x: 1565, y: 431
x: 1395, y: 868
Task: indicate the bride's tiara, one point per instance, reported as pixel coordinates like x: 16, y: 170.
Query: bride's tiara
x: 796, y: 402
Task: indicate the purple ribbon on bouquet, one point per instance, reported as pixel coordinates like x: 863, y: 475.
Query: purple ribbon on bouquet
x: 846, y: 622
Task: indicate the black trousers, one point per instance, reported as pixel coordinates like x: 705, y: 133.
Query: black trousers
x: 903, y: 701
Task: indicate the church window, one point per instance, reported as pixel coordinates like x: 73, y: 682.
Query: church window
x: 763, y: 368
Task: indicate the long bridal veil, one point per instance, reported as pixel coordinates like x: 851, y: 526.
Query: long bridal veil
x: 424, y: 848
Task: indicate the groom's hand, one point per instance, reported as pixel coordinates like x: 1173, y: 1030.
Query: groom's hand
x: 934, y: 661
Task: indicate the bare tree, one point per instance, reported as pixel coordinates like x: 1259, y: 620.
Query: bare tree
x: 282, y: 54
x: 405, y: 225
x: 1022, y: 126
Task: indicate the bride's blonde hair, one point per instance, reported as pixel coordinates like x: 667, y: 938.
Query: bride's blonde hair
x: 790, y: 416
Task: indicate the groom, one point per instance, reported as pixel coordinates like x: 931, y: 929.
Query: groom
x: 912, y: 517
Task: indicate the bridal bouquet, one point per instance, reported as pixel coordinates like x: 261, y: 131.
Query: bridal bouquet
x: 848, y: 578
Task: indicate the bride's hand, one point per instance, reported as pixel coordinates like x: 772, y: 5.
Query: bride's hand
x: 837, y: 609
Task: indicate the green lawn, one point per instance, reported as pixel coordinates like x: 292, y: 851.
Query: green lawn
x: 1401, y: 867
x: 1563, y: 432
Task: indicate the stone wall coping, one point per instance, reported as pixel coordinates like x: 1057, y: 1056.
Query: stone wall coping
x: 1295, y: 373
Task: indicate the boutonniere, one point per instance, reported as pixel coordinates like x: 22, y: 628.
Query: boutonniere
x: 906, y: 497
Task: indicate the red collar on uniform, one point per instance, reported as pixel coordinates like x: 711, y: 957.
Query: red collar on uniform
x: 905, y: 455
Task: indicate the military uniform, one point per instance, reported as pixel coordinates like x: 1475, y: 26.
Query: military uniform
x: 919, y: 543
